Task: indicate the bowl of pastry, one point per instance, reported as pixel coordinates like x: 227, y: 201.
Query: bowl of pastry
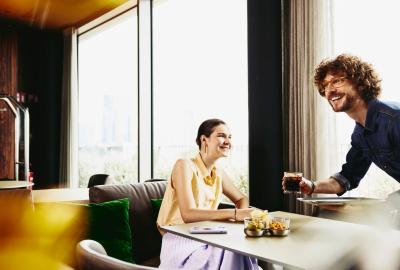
x: 279, y: 226
x: 256, y: 225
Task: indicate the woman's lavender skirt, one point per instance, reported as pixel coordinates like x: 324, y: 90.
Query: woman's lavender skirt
x: 183, y: 253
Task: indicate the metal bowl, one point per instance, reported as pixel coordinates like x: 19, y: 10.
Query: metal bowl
x: 279, y: 232
x: 254, y: 233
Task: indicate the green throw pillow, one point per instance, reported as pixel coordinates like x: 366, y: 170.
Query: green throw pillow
x: 109, y: 225
x: 156, y: 204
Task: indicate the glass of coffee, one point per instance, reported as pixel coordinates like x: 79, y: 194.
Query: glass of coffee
x: 292, y: 181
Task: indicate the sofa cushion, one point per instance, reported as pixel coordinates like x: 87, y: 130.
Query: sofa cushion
x: 145, y: 236
x: 156, y: 205
x: 109, y: 225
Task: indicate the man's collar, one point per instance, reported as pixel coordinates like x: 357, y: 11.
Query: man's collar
x: 371, y: 114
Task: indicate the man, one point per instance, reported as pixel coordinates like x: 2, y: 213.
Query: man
x: 352, y: 86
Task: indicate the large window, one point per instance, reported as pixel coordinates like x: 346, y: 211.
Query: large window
x: 199, y: 72
x: 371, y: 35
x: 108, y: 100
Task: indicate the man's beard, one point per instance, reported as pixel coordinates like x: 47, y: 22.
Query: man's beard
x: 347, y: 104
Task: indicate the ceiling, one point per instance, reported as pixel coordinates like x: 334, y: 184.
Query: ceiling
x: 56, y: 14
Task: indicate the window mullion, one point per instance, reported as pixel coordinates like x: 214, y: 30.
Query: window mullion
x: 144, y: 91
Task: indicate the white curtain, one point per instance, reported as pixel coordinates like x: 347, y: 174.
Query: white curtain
x: 69, y: 113
x: 308, y: 124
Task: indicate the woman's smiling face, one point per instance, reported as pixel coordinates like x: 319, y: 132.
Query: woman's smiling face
x: 219, y: 142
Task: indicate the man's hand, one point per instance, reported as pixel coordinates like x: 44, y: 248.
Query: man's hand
x: 330, y: 186
x: 306, y: 186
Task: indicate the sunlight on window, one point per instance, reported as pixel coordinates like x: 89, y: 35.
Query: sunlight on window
x: 108, y: 100
x: 368, y: 29
x: 200, y: 72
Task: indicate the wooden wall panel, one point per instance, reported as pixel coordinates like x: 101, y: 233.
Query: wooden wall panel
x: 8, y: 61
x: 8, y: 85
x: 7, y: 155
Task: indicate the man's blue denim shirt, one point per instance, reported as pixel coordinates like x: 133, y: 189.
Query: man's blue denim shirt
x: 378, y: 142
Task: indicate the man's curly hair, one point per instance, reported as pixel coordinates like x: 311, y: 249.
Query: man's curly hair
x: 361, y: 74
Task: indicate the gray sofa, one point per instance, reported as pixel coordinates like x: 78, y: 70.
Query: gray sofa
x: 145, y: 236
x: 91, y: 255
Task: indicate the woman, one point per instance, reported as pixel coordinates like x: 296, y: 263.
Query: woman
x: 193, y: 194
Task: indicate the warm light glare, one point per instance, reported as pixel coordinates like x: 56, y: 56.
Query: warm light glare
x: 40, y: 238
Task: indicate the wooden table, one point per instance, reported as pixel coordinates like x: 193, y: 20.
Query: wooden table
x: 14, y: 184
x: 313, y: 243
x: 61, y: 195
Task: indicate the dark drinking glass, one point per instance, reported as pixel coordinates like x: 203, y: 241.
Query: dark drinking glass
x: 292, y: 181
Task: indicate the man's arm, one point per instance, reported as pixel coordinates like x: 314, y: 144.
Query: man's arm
x: 353, y: 170
x: 330, y: 185
x: 356, y: 166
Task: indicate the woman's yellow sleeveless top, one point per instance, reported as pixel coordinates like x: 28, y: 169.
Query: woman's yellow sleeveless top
x: 206, y: 189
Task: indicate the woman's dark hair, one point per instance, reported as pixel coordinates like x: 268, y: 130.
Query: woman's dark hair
x: 206, y: 128
x: 361, y: 74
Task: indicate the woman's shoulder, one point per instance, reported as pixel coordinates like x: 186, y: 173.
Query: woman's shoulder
x: 183, y: 164
x: 182, y: 171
